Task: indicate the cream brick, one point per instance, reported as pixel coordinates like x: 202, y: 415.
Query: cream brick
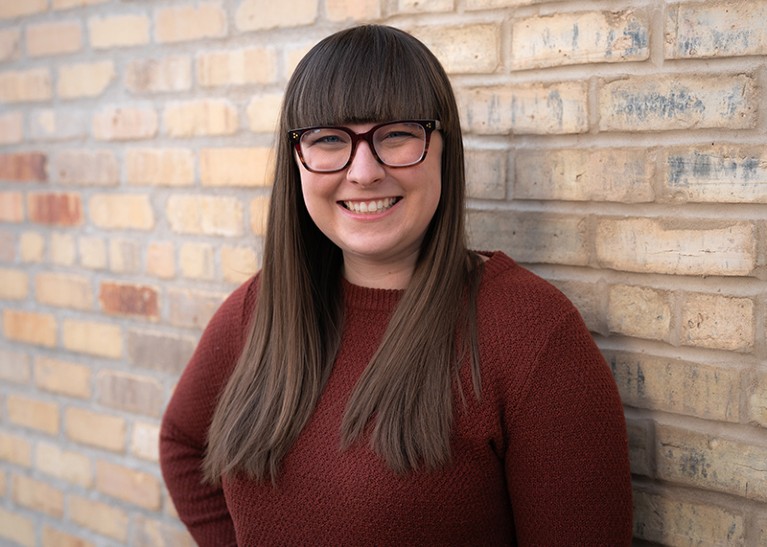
x: 90, y: 337
x: 200, y: 118
x: 464, y: 49
x: 32, y: 85
x: 31, y: 247
x: 263, y: 112
x: 70, y: 379
x: 640, y: 312
x: 10, y: 40
x: 238, y: 263
x: 490, y: 4
x: 11, y: 207
x: 355, y: 10
x: 124, y: 255
x: 93, y: 254
x: 11, y: 128
x: 14, y: 284
x: 160, y: 259
x: 69, y: 4
x: 64, y: 290
x: 13, y: 526
x: 208, y: 215
x: 758, y: 399
x: 424, y: 6
x: 707, y: 391
x: 197, y: 261
x: 66, y: 465
x: 145, y: 441
x: 677, y: 247
x: 80, y: 80
x: 662, y: 103
x: 487, y: 172
x: 125, y: 123
x: 190, y: 22
x: 192, y: 309
x: 30, y: 327
x: 130, y: 485
x: 579, y: 38
x: 159, y: 166
x: 14, y: 367
x: 38, y: 496
x: 54, y: 38
x: 259, y: 214
x: 162, y: 75
x: 264, y: 14
x: 62, y: 250
x: 122, y: 211
x: 236, y: 166
x: 34, y: 414
x: 15, y: 449
x: 118, y: 31
x: 95, y: 429
x: 620, y: 175
x: 534, y: 109
x: 56, y: 538
x: 48, y: 124
x: 718, y: 322
x: 253, y: 65
x: 131, y: 393
x: 715, y: 29
x: 99, y: 517
x: 86, y: 167
x: 161, y: 534
x: 10, y: 9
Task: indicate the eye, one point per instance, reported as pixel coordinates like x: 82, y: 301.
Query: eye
x: 329, y: 138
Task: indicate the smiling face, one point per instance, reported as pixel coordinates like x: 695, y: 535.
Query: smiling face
x: 376, y: 215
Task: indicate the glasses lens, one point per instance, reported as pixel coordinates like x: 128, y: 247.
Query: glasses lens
x: 326, y: 149
x: 400, y: 144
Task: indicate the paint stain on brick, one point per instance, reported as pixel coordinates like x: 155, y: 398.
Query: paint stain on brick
x: 55, y: 209
x: 658, y: 105
x: 23, y: 167
x: 128, y: 300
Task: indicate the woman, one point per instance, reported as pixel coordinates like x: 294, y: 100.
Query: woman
x: 378, y: 383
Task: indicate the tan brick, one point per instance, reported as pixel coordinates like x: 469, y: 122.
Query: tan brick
x: 758, y: 399
x: 710, y: 462
x: 86, y: 167
x: 653, y: 103
x: 200, y: 118
x: 159, y: 167
x: 488, y: 170
x: 65, y: 378
x: 162, y: 75
x: 69, y: 4
x: 639, y: 312
x: 62, y: 250
x: 708, y: 391
x: 84, y: 79
x: 424, y: 6
x: 161, y: 534
x: 238, y: 263
x: 66, y: 465
x: 57, y: 538
x: 192, y: 308
x: 54, y: 38
x: 293, y: 56
x: 14, y: 284
x: 489, y: 4
x: 99, y: 517
x: 640, y: 446
x: 14, y: 527
x: 128, y: 299
x: 716, y: 174
x: 30, y: 327
x: 159, y: 351
x: 24, y: 167
x: 118, y: 31
x: 93, y: 252
x: 15, y: 449
x: 122, y: 211
x: 11, y: 207
x: 579, y: 38
x: 124, y: 255
x: 662, y: 519
x: 160, y: 259
x: 208, y: 215
x: 543, y: 238
x: 354, y: 10
x: 254, y: 65
x: 720, y: 29
x: 620, y: 175
x: 190, y: 22
x: 11, y: 128
x: 33, y: 414
x: 145, y: 441
x: 64, y: 290
x: 130, y: 485
x: 48, y: 124
x: 100, y: 339
x: 588, y: 298
x: 464, y: 49
x: 677, y: 247
x: 236, y: 166
x: 95, y: 429
x: 14, y: 367
x: 263, y: 14
x: 7, y: 246
x: 10, y: 41
x: 125, y: 123
x: 38, y: 496
x: 31, y: 247
x: 534, y: 109
x: 197, y: 261
x: 10, y: 9
x: 32, y: 85
x: 263, y: 111
x: 718, y: 322
x: 59, y: 209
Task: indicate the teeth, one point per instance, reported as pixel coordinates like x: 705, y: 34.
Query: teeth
x: 369, y: 206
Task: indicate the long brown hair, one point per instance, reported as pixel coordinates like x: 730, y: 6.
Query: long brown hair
x: 363, y: 74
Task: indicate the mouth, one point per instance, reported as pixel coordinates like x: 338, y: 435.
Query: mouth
x: 370, y: 207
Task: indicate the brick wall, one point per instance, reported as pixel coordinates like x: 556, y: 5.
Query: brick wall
x: 617, y: 148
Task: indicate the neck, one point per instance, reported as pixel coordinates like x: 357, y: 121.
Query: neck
x: 377, y: 275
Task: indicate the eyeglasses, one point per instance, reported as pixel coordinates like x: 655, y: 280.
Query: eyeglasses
x: 395, y: 144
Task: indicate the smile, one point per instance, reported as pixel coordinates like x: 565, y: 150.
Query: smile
x: 374, y: 206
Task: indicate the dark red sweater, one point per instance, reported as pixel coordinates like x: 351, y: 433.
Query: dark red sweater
x: 540, y: 459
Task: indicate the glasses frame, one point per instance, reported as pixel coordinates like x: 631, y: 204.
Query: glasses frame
x: 429, y: 126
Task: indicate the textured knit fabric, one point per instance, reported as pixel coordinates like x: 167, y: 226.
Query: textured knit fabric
x: 539, y: 459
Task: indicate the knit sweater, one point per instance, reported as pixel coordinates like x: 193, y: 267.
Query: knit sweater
x: 539, y: 459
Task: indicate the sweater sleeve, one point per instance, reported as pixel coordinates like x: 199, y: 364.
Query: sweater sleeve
x: 183, y: 435
x: 567, y: 462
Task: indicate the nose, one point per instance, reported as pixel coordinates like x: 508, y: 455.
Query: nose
x: 364, y: 168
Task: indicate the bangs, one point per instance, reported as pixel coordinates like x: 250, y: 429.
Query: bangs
x: 363, y: 75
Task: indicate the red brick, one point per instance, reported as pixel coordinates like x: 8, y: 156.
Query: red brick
x: 55, y: 209
x: 23, y: 167
x: 122, y: 299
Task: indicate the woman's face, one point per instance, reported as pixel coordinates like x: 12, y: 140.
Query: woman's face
x: 376, y: 215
